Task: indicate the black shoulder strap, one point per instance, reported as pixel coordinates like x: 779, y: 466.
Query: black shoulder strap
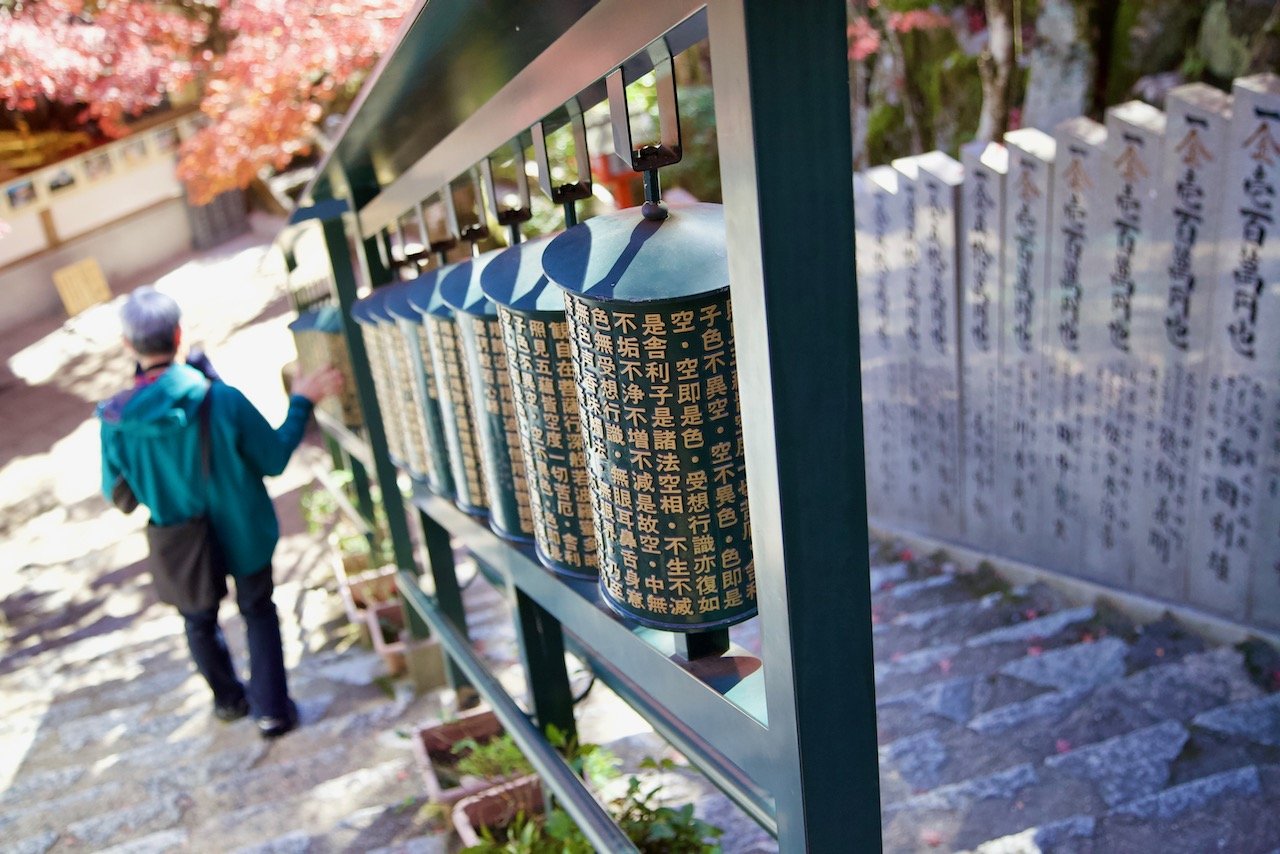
x: 206, y: 433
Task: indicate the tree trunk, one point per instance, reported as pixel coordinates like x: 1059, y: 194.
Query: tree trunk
x: 996, y: 67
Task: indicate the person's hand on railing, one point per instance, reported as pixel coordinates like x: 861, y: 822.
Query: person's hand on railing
x: 319, y: 384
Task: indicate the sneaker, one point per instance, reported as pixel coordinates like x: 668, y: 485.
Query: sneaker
x: 232, y: 711
x: 276, y: 727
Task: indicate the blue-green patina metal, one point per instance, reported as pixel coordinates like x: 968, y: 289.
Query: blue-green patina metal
x: 536, y: 338
x: 791, y: 737
x: 493, y: 405
x: 451, y: 388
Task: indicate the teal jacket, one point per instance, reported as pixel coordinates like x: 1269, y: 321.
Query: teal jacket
x: 150, y: 437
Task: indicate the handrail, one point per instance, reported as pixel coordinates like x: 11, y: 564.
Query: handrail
x: 572, y: 793
x: 350, y: 442
x: 348, y: 509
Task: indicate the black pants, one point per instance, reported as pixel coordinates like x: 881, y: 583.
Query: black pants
x: 268, y: 692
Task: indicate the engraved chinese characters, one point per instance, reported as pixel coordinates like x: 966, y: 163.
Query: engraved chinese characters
x: 1235, y: 553
x: 648, y: 311
x: 1171, y: 331
x: 451, y: 383
x: 1028, y: 218
x: 363, y: 310
x: 317, y: 335
x: 981, y: 265
x: 536, y: 336
x: 1077, y: 190
x: 492, y: 402
x: 424, y: 399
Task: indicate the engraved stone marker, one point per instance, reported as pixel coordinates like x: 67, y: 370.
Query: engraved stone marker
x: 1170, y: 331
x: 1028, y: 223
x: 937, y: 198
x: 889, y: 297
x: 1079, y: 186
x: 1118, y: 379
x: 981, y: 271
x: 1235, y: 553
x: 871, y: 260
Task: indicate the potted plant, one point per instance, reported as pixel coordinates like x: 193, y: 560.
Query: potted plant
x: 509, y: 819
x: 385, y: 622
x: 466, y: 755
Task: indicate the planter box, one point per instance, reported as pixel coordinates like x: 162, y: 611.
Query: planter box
x: 390, y: 614
x: 359, y: 586
x: 433, y: 747
x: 497, y: 806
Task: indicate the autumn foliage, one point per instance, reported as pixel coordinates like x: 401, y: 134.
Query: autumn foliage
x: 269, y: 70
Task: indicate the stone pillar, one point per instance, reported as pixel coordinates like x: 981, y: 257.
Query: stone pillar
x: 1079, y: 187
x: 1020, y: 454
x: 1235, y: 548
x: 1118, y: 378
x: 1171, y: 332
x: 981, y: 273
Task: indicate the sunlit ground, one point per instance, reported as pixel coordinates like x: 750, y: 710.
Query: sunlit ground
x: 61, y: 545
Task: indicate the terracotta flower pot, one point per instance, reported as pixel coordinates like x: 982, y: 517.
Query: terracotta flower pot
x: 495, y: 807
x: 383, y: 619
x: 433, y: 747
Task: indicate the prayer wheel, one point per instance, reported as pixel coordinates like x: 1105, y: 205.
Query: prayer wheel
x: 427, y: 420
x: 400, y: 376
x: 536, y: 335
x: 492, y: 401
x: 317, y: 337
x: 651, y: 338
x: 451, y: 386
x: 365, y: 313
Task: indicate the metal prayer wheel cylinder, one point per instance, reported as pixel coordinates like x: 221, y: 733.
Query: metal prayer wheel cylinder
x: 451, y: 388
x: 317, y: 337
x: 647, y: 303
x: 536, y: 335
x: 424, y: 403
x: 400, y: 382
x: 492, y: 400
x: 363, y: 313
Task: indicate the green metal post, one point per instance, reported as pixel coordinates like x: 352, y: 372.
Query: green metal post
x: 392, y: 501
x: 542, y: 653
x: 448, y: 596
x: 782, y: 96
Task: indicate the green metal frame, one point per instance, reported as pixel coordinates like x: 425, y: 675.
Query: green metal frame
x: 793, y: 741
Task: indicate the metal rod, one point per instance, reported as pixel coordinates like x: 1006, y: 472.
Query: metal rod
x: 339, y: 494
x: 572, y: 793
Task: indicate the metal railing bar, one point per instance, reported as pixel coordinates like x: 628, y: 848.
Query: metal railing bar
x: 568, y: 788
x: 350, y: 442
x: 325, y: 479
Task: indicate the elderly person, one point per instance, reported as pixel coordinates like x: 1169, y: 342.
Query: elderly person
x: 152, y: 440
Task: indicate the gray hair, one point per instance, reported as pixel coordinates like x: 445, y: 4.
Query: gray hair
x: 150, y: 320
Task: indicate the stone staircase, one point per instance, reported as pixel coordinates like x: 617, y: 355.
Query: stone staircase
x: 120, y: 752
x: 1010, y: 721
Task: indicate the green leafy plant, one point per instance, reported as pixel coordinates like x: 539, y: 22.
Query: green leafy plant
x: 497, y: 757
x: 592, y: 762
x: 653, y: 827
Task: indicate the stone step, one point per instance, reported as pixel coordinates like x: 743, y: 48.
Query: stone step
x: 1076, y: 713
x: 379, y: 829
x: 958, y: 681
x: 390, y: 782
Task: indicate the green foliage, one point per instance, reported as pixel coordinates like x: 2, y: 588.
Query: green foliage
x: 498, y: 757
x: 592, y: 762
x: 653, y: 827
